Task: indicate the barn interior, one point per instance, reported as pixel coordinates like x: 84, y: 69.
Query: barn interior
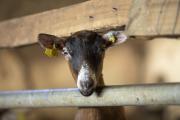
x: 136, y: 61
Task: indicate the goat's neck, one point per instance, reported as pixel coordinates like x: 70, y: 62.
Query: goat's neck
x: 101, y: 81
x: 100, y: 113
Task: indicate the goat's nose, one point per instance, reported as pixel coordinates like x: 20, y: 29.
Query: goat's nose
x: 87, y: 84
x: 87, y: 87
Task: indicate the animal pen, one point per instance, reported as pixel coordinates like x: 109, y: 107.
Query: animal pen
x: 139, y: 19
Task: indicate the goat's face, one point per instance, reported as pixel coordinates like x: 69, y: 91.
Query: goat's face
x: 85, y: 52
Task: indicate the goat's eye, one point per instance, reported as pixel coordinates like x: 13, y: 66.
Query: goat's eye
x: 65, y: 52
x: 103, y: 48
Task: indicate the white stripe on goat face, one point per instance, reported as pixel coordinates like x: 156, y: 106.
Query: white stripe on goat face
x: 86, y: 75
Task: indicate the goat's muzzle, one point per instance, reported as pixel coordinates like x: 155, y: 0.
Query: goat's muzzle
x: 86, y: 87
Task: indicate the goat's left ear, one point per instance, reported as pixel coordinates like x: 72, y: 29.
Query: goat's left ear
x: 114, y: 38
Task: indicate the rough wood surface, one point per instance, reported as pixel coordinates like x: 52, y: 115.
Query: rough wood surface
x: 154, y: 17
x: 142, y: 18
x: 91, y: 15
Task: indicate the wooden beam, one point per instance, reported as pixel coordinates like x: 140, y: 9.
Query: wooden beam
x: 91, y: 15
x: 142, y: 18
x: 154, y: 17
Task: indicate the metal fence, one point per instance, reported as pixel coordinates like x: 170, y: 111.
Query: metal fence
x: 125, y: 95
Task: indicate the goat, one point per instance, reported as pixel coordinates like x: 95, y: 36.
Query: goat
x: 84, y: 51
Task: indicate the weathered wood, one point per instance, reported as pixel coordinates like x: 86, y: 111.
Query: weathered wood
x: 142, y: 17
x: 154, y: 17
x: 91, y: 15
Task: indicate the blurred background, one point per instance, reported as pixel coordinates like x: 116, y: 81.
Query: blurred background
x: 133, y: 62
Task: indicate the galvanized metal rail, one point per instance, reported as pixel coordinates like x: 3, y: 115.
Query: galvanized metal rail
x: 147, y: 94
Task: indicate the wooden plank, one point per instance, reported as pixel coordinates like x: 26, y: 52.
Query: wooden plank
x: 142, y: 17
x: 91, y: 15
x: 154, y: 17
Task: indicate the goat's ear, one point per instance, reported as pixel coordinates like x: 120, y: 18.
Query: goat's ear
x: 114, y: 38
x: 50, y: 41
x: 51, y: 44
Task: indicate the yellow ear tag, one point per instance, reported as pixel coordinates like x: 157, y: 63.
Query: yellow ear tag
x: 112, y: 39
x: 51, y: 52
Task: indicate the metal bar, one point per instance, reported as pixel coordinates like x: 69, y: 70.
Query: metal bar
x: 151, y: 94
